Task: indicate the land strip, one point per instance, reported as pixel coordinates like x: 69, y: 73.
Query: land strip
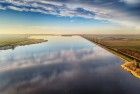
x: 127, y: 47
x: 12, y: 41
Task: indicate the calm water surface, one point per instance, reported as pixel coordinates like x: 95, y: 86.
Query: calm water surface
x: 64, y: 65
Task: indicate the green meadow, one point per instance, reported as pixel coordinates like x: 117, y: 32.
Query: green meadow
x: 11, y: 41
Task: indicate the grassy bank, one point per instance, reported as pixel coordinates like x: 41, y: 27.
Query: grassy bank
x: 124, y: 46
x: 12, y: 41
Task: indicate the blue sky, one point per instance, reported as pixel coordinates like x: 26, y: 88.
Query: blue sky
x: 31, y: 18
x: 68, y: 15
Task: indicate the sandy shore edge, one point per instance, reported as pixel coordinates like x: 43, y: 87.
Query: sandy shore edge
x: 130, y: 70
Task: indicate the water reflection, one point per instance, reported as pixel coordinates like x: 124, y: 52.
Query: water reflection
x: 64, y: 65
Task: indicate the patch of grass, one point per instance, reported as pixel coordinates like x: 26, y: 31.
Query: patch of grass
x: 11, y: 41
x: 126, y: 45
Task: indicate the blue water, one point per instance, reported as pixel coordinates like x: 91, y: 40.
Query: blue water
x: 64, y: 65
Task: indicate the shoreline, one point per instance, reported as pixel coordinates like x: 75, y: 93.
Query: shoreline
x: 125, y: 61
x: 125, y: 67
x: 22, y: 43
x: 128, y: 62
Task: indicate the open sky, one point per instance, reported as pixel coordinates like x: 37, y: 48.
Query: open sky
x: 70, y: 16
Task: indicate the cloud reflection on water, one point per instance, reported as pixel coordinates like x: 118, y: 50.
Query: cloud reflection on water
x: 71, y: 55
x: 67, y: 70
x: 54, y: 71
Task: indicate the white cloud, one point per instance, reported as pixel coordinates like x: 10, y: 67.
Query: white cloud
x: 131, y: 1
x: 70, y: 10
x: 17, y: 8
x: 76, y: 56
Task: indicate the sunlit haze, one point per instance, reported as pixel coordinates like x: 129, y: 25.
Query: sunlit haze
x: 69, y: 16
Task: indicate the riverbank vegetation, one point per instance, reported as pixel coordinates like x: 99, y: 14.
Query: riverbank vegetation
x: 12, y: 41
x: 131, y: 67
x: 125, y: 46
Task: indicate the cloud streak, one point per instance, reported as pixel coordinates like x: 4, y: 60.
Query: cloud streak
x: 76, y: 56
x: 131, y: 2
x: 78, y: 8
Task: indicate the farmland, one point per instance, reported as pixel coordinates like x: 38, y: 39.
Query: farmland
x: 124, y: 46
x: 12, y: 41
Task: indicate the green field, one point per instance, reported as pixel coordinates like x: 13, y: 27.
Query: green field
x: 118, y: 41
x: 125, y: 44
x: 11, y: 41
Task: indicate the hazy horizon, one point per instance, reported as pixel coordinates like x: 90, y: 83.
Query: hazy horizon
x: 69, y: 17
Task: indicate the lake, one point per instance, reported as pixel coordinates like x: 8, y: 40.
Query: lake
x: 64, y: 65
